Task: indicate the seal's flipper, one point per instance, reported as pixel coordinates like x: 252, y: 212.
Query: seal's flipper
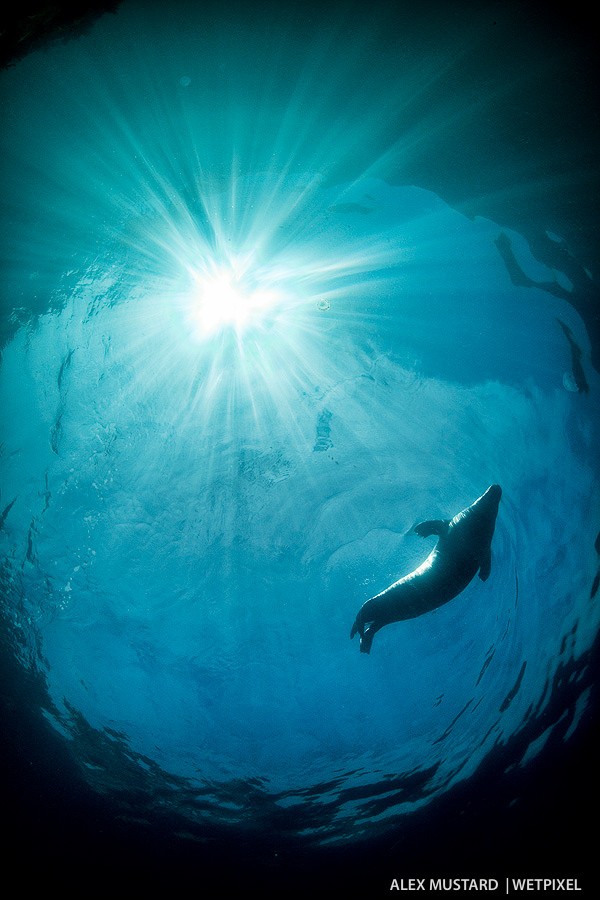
x: 432, y: 526
x: 486, y: 565
x: 366, y: 639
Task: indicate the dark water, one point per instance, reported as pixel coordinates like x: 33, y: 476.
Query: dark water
x: 278, y: 284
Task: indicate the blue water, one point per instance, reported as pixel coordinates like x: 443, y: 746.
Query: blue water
x: 195, y: 507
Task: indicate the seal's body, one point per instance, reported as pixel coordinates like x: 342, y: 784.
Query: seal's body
x: 463, y: 549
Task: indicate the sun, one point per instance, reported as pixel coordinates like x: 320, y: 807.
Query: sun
x: 222, y: 298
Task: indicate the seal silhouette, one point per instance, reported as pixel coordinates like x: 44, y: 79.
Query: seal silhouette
x: 463, y: 549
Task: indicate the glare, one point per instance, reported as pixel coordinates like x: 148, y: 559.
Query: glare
x: 221, y: 299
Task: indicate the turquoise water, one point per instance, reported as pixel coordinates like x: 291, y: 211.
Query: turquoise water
x: 238, y: 368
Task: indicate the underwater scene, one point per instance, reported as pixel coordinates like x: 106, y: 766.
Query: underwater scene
x: 299, y: 498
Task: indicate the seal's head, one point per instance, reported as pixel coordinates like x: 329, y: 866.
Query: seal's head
x: 487, y: 505
x: 485, y: 508
x: 494, y: 493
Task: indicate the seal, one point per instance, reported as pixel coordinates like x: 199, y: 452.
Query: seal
x: 463, y: 549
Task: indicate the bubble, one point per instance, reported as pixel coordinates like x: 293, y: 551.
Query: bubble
x: 323, y: 304
x: 185, y: 81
